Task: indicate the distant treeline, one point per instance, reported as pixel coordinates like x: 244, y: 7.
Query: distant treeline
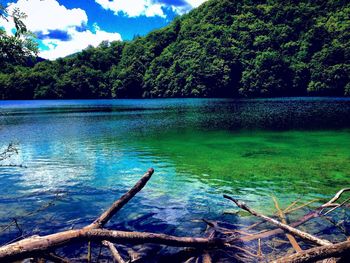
x: 221, y: 49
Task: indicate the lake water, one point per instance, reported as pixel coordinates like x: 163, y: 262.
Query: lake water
x: 82, y: 155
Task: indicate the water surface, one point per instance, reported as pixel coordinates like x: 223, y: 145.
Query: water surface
x: 82, y: 155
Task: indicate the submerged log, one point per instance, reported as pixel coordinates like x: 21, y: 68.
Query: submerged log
x: 318, y: 253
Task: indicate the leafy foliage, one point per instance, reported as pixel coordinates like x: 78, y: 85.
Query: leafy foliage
x: 15, y: 49
x: 223, y: 48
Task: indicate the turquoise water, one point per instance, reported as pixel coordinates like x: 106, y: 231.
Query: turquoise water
x: 82, y: 155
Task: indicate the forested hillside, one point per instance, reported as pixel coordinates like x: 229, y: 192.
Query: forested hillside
x: 221, y: 49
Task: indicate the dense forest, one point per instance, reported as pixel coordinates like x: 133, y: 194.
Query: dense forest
x: 224, y: 48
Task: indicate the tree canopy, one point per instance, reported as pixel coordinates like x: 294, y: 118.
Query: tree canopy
x: 226, y: 48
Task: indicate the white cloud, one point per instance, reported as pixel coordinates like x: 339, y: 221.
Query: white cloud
x: 155, y: 10
x: 133, y: 8
x: 195, y: 3
x: 148, y: 8
x: 183, y: 9
x: 44, y: 16
x: 78, y: 41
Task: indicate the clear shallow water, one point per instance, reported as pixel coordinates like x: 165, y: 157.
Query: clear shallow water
x: 88, y: 153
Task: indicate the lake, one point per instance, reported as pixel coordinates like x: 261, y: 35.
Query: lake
x: 76, y: 157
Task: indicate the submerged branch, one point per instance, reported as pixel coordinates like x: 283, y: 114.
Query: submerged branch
x: 290, y: 229
x: 283, y: 218
x: 115, y: 253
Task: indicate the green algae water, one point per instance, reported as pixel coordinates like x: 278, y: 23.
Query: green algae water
x: 81, y: 155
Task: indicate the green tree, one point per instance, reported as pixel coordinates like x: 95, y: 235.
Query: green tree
x: 18, y: 48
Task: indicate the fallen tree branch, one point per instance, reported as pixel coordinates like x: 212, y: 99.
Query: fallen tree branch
x: 331, y: 202
x: 37, y: 244
x: 297, y: 232
x: 116, y: 206
x: 318, y: 253
x: 290, y: 210
x: 117, y: 257
x: 334, y: 208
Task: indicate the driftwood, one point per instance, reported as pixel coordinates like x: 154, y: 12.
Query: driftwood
x: 309, y: 216
x: 318, y: 253
x: 38, y: 245
x: 290, y: 229
x: 218, y: 237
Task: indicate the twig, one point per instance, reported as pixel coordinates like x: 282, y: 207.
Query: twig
x: 40, y: 209
x: 291, y: 205
x: 334, y: 208
x: 55, y: 258
x: 336, y: 197
x: 225, y: 230
x: 301, y: 206
x: 243, y: 250
x: 89, y: 252
x: 259, y: 248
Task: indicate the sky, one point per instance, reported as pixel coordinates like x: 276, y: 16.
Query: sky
x: 64, y: 27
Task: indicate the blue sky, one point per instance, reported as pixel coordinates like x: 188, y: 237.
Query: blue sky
x: 64, y: 27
